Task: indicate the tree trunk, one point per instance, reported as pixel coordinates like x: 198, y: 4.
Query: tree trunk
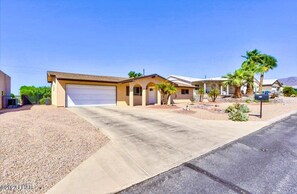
x: 168, y: 96
x: 261, y: 83
x: 201, y: 97
x: 237, y: 92
x: 249, y: 89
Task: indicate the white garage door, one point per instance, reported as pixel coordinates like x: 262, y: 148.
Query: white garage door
x: 86, y: 95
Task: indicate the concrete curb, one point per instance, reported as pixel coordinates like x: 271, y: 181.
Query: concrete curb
x: 276, y: 119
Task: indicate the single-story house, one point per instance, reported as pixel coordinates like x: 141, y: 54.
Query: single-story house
x: 271, y: 85
x: 5, y: 84
x: 207, y: 84
x: 71, y: 89
x: 217, y: 83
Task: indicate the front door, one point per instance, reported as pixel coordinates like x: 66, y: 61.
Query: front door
x: 152, y: 95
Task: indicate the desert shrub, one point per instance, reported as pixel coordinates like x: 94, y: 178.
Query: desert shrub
x: 237, y: 112
x: 238, y: 116
x: 42, y: 101
x: 213, y: 94
x: 241, y: 107
x: 289, y: 91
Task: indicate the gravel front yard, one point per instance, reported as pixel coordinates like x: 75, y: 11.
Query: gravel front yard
x: 215, y: 111
x: 40, y: 145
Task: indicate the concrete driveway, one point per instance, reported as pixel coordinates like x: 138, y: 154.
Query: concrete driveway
x: 145, y: 142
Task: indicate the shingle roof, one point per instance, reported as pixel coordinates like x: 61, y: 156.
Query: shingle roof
x: 84, y: 77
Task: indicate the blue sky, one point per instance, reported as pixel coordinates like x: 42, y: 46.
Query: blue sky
x: 189, y: 38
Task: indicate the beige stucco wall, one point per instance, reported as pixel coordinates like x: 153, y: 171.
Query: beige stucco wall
x: 59, y: 90
x: 122, y: 98
x: 179, y: 97
x: 5, y: 84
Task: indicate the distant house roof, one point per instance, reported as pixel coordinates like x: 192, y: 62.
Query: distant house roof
x: 268, y: 82
x: 84, y: 77
x: 190, y: 80
x: 187, y: 79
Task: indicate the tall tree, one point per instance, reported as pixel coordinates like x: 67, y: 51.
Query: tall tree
x: 236, y: 80
x: 268, y: 63
x: 133, y: 74
x: 251, y: 67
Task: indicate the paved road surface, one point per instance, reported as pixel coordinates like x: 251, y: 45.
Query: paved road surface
x: 263, y: 162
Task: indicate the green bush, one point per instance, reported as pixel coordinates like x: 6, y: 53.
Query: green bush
x: 238, y: 116
x: 213, y: 94
x: 241, y: 107
x: 35, y: 94
x: 237, y: 112
x: 42, y: 101
x: 289, y: 91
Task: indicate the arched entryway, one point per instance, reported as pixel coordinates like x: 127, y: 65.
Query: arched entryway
x: 151, y: 95
x: 137, y: 95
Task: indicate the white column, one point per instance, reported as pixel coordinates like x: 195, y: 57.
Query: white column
x: 221, y: 90
x: 227, y: 89
x: 144, y: 96
x: 131, y: 95
x: 204, y: 86
x: 158, y: 97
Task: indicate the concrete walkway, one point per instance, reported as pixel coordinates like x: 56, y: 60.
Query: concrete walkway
x: 144, y: 143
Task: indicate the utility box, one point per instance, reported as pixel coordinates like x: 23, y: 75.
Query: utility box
x: 12, y: 102
x: 262, y: 97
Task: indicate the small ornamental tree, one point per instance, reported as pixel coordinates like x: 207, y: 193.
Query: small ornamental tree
x: 166, y: 89
x: 213, y: 94
x: 201, y: 94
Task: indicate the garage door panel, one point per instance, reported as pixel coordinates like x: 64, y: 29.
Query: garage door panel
x: 83, y: 95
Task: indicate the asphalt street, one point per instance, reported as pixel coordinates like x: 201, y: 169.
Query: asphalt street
x: 262, y: 162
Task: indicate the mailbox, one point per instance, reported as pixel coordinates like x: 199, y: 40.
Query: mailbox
x: 262, y: 97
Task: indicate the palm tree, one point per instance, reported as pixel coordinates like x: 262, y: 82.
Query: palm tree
x: 251, y: 67
x: 236, y: 80
x: 268, y: 63
x: 170, y: 89
x: 166, y: 89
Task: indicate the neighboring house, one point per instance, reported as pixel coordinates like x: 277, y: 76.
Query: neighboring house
x: 210, y: 83
x: 207, y: 84
x: 70, y: 89
x: 5, y: 84
x: 271, y: 85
